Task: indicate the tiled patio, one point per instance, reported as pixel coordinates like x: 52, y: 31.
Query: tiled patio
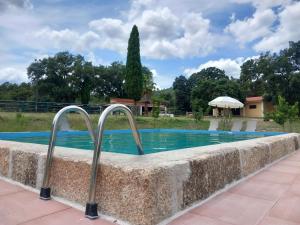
x: 272, y: 197
x: 19, y: 206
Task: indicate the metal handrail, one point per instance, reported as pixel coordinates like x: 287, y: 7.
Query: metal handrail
x: 45, y: 190
x: 91, y: 207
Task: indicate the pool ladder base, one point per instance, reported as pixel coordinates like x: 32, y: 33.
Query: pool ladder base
x: 45, y: 193
x: 91, y: 211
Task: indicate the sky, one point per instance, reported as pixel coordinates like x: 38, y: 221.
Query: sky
x: 177, y: 37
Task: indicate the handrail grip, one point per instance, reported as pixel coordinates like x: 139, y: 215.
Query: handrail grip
x: 91, y: 206
x: 45, y: 190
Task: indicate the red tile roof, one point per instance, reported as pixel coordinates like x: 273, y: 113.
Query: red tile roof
x: 122, y: 101
x: 254, y: 99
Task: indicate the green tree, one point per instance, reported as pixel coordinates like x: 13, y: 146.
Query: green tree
x: 82, y: 78
x: 156, y: 109
x: 166, y: 96
x: 208, y: 84
x: 285, y: 112
x: 18, y: 92
x: 53, y: 77
x: 251, y: 80
x: 207, y: 90
x: 134, y: 77
x: 148, y: 83
x: 109, y: 80
x: 210, y: 73
x: 271, y: 75
x: 182, y: 94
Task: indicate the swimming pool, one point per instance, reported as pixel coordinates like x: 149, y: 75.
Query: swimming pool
x: 121, y: 141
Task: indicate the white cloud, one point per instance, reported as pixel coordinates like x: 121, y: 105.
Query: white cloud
x: 232, y: 67
x: 288, y: 30
x: 163, y: 34
x: 161, y: 81
x: 191, y: 38
x: 56, y: 39
x: 182, y: 7
x: 91, y: 57
x: 250, y: 29
x: 168, y: 29
x: 264, y: 4
x: 13, y: 75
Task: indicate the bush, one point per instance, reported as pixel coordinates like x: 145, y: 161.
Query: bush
x: 267, y: 116
x: 155, y: 109
x: 284, y: 112
x: 19, y: 116
x: 198, y: 115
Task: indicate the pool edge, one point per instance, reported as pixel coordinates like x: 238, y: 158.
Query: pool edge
x: 145, y: 189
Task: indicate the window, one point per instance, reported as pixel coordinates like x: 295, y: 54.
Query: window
x: 252, y: 106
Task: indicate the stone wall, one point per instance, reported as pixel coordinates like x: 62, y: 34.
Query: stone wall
x: 144, y: 189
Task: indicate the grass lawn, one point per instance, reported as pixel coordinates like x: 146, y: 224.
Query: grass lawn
x: 13, y: 122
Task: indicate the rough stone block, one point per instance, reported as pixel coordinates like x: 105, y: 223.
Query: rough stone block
x: 290, y: 144
x: 297, y: 136
x: 210, y: 174
x: 254, y: 157
x: 24, y: 167
x: 130, y: 194
x: 223, y: 169
x: 277, y: 149
x: 4, y: 161
x: 70, y: 179
x: 196, y: 187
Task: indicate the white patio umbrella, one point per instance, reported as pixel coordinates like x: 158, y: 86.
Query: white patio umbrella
x: 226, y: 102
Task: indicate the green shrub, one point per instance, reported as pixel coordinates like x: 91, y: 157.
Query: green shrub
x: 155, y: 109
x: 284, y: 112
x: 19, y: 116
x: 198, y: 115
x: 267, y: 116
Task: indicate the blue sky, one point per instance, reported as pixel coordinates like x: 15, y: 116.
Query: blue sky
x: 177, y: 37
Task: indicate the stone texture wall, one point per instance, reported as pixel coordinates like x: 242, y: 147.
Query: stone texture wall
x: 144, y: 190
x: 4, y: 159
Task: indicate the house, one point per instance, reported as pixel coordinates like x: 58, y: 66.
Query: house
x: 144, y: 105
x: 257, y: 107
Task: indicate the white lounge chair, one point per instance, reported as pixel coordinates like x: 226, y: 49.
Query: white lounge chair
x: 237, y: 125
x: 214, y: 124
x: 251, y: 125
x: 64, y: 123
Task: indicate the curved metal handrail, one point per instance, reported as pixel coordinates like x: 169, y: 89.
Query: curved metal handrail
x: 45, y: 190
x: 91, y: 206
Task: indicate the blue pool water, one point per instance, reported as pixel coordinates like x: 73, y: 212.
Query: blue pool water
x: 121, y: 141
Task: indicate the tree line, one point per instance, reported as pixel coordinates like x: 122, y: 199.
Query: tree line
x: 269, y: 75
x: 66, y: 77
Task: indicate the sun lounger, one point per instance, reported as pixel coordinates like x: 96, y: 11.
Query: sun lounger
x: 251, y: 125
x: 64, y: 123
x: 237, y: 125
x: 214, y: 124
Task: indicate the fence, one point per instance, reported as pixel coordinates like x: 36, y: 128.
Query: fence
x: 43, y: 107
x: 30, y: 106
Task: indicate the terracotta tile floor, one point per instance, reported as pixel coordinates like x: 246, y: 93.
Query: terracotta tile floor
x: 19, y: 206
x: 272, y: 197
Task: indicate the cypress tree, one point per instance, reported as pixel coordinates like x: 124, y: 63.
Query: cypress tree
x: 134, y: 76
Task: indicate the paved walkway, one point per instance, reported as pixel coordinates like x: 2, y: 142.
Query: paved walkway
x: 272, y: 197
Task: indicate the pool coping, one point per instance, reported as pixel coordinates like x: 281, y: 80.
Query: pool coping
x: 145, y: 189
x: 6, y: 135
